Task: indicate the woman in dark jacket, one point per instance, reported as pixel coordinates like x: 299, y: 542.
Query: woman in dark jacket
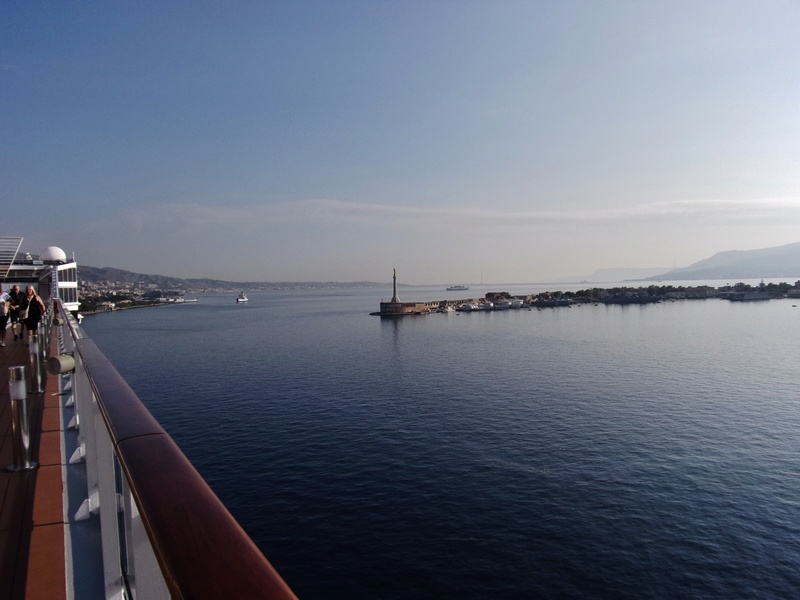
x: 15, y: 297
x: 36, y: 310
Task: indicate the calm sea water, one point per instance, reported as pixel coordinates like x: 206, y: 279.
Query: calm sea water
x: 585, y: 452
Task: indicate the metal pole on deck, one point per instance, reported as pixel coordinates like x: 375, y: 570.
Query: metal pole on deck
x: 44, y: 343
x: 20, y: 424
x: 36, y: 363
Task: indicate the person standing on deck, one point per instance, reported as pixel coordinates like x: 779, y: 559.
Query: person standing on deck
x: 13, y: 313
x: 34, y: 309
x: 5, y: 307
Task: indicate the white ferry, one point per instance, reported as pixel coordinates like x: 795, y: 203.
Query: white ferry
x: 457, y: 288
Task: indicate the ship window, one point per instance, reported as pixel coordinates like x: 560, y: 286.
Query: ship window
x: 68, y: 294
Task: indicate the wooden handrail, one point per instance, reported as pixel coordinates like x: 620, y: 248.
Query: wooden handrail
x: 201, y: 549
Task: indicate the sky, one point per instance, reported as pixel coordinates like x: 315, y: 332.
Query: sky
x: 455, y: 141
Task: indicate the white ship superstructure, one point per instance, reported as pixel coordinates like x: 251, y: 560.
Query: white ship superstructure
x: 50, y: 273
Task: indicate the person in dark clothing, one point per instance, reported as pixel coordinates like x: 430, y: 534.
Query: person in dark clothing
x: 15, y: 297
x: 34, y: 310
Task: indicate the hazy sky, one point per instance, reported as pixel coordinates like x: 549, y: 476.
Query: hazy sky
x: 453, y: 140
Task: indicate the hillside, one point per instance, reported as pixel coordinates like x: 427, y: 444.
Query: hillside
x: 780, y: 261
x: 120, y: 277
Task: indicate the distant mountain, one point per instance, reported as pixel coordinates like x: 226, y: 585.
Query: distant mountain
x: 89, y: 274
x: 112, y: 276
x: 780, y: 261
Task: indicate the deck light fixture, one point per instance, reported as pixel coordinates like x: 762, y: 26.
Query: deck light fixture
x: 20, y: 425
x: 36, y: 363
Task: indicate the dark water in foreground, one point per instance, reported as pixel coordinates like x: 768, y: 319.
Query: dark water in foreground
x: 588, y: 452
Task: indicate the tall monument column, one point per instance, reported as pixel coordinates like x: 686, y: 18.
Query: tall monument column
x: 394, y: 286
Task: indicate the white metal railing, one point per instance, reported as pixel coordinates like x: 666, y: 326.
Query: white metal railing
x: 163, y: 531
x: 103, y: 500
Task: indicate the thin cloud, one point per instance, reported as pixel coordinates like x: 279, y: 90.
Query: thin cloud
x: 714, y: 208
x: 321, y: 211
x: 726, y: 208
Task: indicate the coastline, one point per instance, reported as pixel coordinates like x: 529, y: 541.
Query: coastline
x: 119, y: 308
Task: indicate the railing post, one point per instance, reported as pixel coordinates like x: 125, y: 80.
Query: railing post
x: 20, y: 423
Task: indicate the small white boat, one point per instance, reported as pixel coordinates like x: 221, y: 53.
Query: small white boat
x: 242, y: 298
x: 446, y: 309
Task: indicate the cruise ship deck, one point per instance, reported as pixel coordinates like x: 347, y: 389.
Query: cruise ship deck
x: 107, y: 505
x: 32, y: 564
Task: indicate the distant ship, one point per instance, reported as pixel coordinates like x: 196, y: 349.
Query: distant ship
x: 242, y: 298
x: 457, y: 288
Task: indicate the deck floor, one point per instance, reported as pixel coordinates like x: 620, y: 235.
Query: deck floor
x: 31, y: 502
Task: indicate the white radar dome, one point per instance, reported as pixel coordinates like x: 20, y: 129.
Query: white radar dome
x: 53, y: 254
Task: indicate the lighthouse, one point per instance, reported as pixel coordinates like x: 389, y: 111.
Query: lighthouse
x: 394, y: 286
x: 395, y: 308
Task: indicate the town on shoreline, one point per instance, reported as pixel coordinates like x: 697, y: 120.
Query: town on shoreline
x: 99, y: 299
x: 741, y: 292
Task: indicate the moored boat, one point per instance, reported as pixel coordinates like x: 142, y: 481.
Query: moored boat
x: 749, y: 296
